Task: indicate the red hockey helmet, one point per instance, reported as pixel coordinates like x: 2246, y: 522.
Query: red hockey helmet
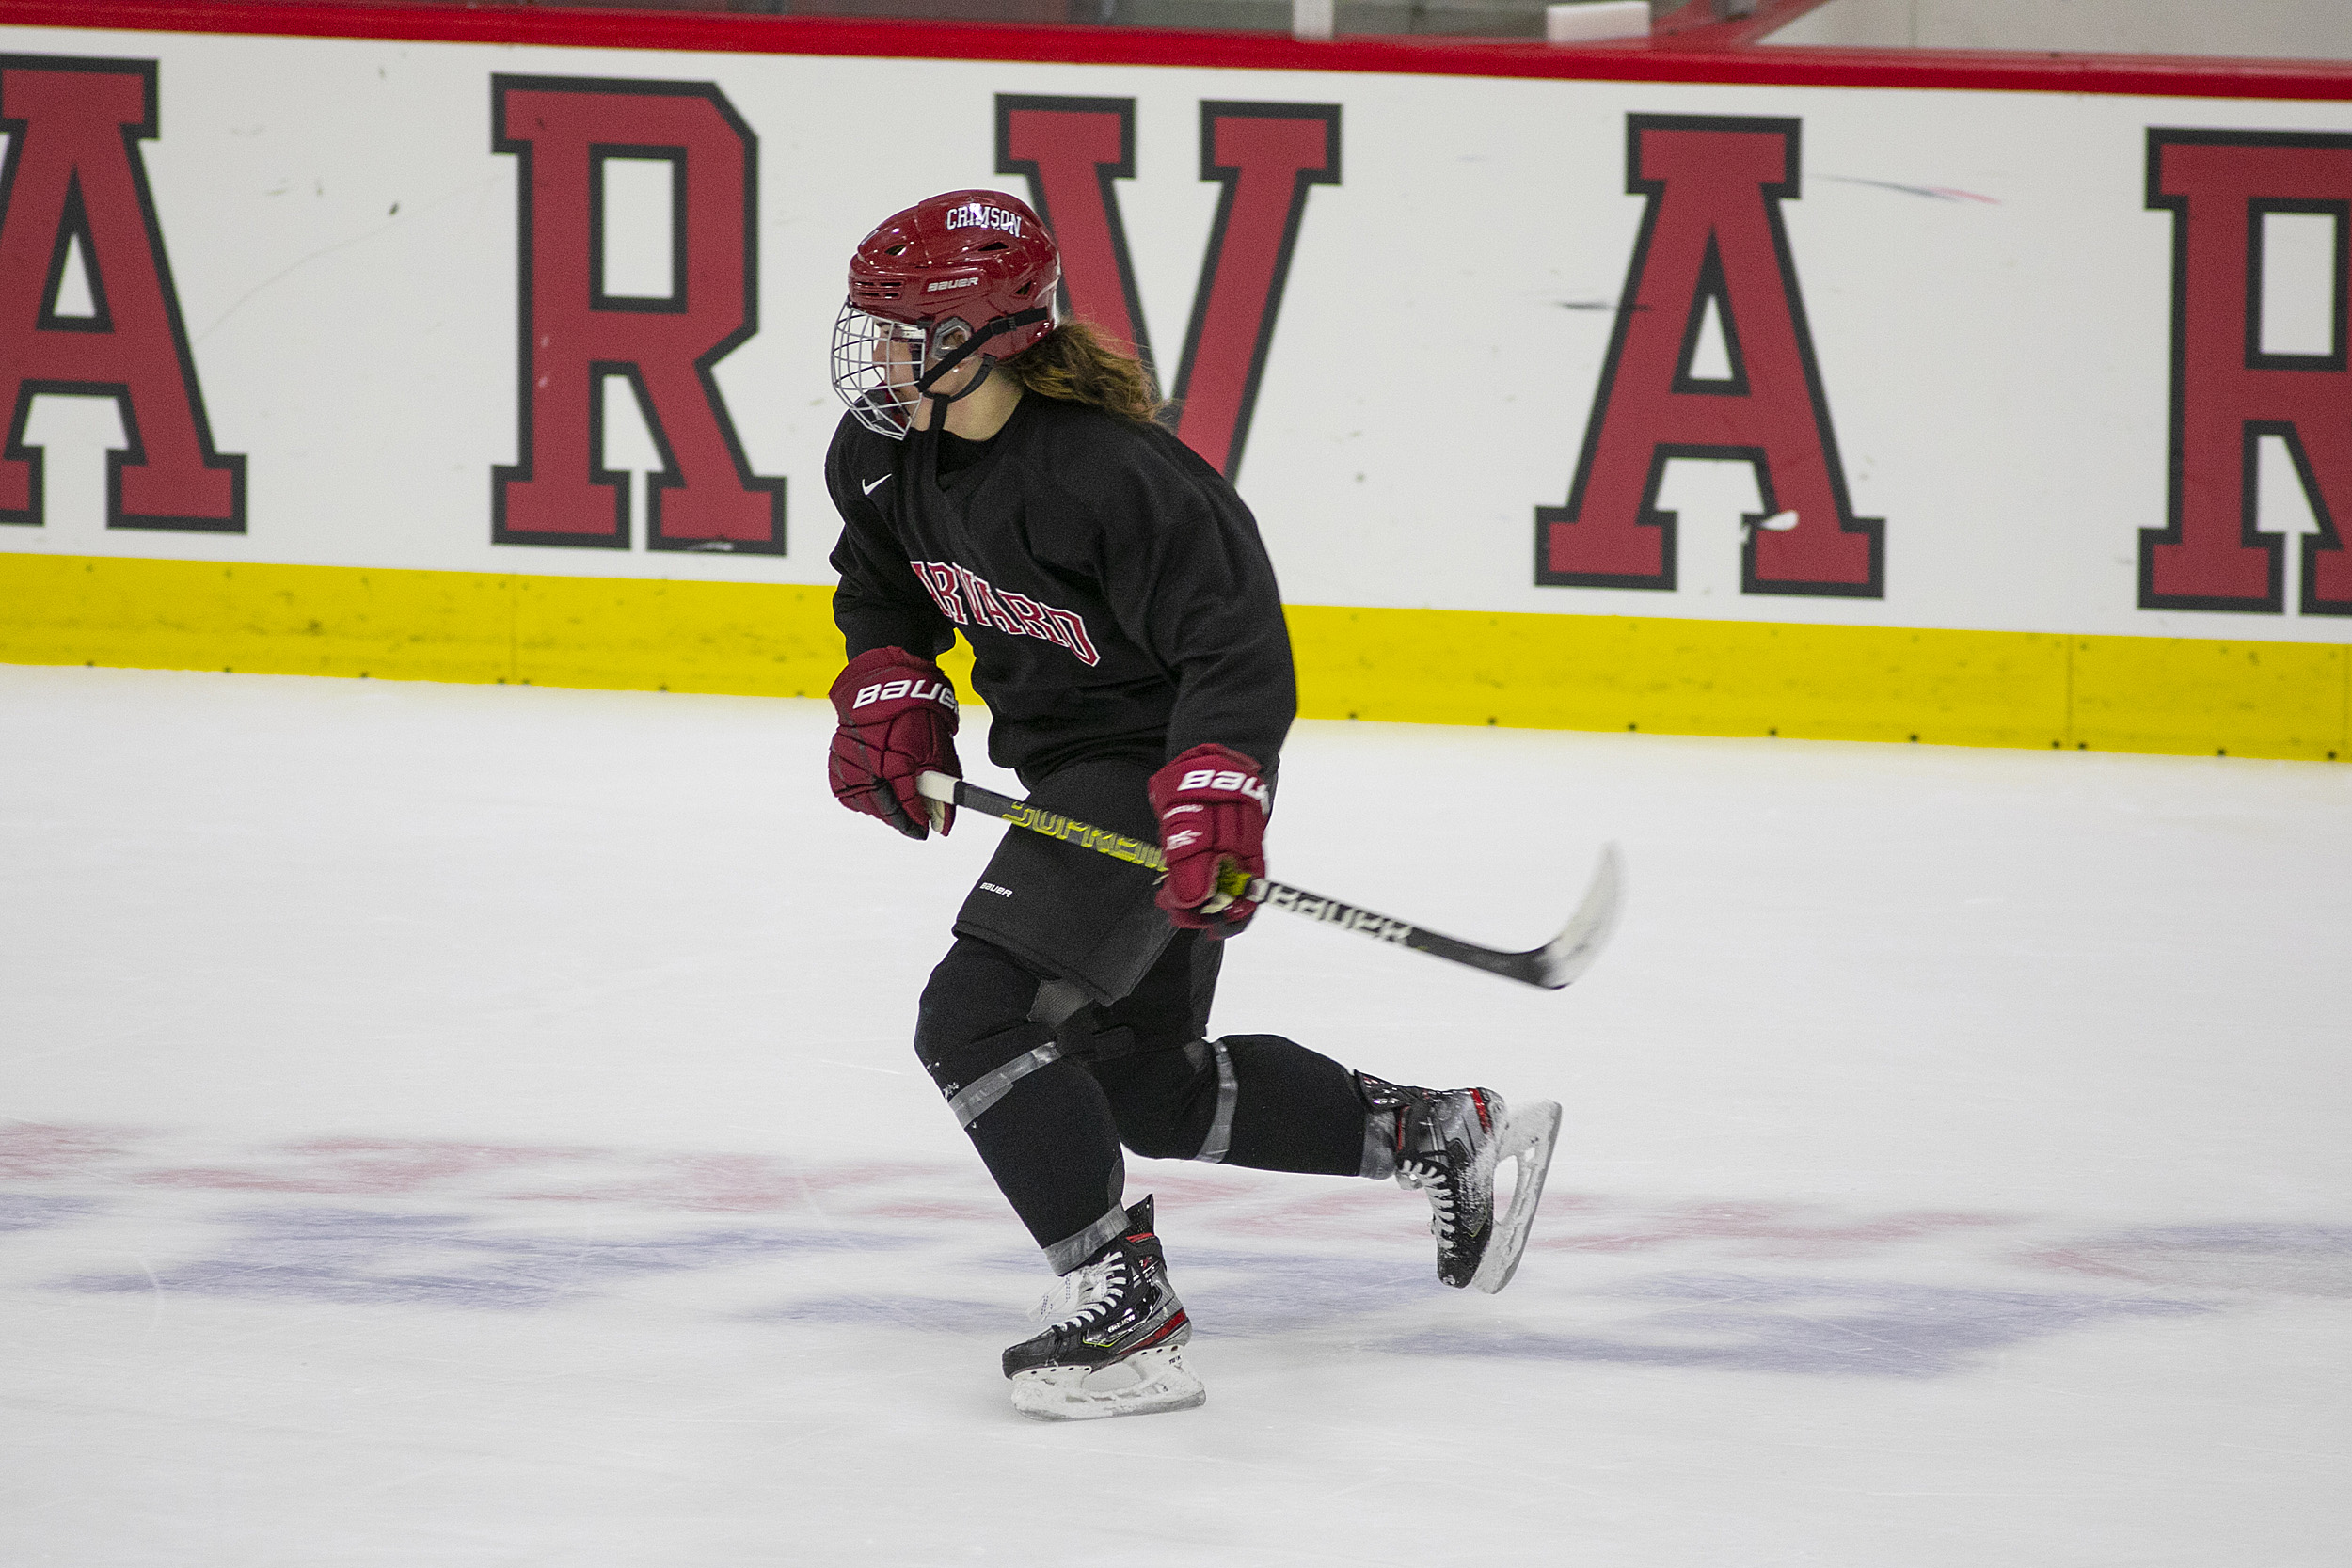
x: 964, y: 273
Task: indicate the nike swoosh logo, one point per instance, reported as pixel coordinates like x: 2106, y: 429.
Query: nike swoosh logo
x: 870, y: 489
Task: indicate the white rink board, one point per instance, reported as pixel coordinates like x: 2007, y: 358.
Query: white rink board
x: 1987, y: 294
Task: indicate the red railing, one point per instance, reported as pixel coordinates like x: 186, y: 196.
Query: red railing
x: 1713, y: 53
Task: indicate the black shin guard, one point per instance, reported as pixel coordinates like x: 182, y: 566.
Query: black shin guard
x: 1039, y: 1122
x: 1258, y: 1100
x: 1297, y: 1111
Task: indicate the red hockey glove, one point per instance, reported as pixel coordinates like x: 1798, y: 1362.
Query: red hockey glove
x: 1212, y: 807
x: 897, y: 718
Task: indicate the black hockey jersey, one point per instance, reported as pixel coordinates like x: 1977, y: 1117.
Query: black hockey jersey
x: 1112, y: 585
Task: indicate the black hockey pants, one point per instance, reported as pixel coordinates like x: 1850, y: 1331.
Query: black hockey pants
x: 1068, y: 1020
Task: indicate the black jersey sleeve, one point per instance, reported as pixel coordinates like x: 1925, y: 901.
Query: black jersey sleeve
x: 880, y: 603
x: 1188, y: 577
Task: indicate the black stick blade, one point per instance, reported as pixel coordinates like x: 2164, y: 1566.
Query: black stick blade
x: 1567, y: 957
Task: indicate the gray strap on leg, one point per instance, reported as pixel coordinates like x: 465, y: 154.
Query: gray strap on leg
x: 1379, y: 1146
x: 1072, y: 1251
x: 989, y: 1088
x: 1220, y: 1136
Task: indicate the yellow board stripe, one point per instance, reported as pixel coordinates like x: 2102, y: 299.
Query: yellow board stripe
x: 2189, y: 695
x: 2184, y: 695
x: 623, y: 633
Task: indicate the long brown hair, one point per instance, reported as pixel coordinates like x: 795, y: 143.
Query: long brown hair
x: 1075, y: 363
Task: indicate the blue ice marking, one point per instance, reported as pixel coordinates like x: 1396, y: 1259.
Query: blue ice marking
x: 1250, y: 1295
x: 356, y: 1256
x: 27, y: 1211
x: 921, y: 1314
x: 1819, y: 1328
x: 2258, y: 1256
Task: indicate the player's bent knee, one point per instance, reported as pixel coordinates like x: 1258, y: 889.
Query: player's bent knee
x: 976, y: 994
x: 953, y: 1065
x: 1161, y: 1137
x: 973, y: 1033
x: 1164, y: 1101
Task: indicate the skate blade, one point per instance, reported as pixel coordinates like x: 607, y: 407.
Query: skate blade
x: 1528, y: 1138
x: 1145, y: 1383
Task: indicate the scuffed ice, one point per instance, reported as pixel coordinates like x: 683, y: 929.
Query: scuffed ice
x: 476, y: 1127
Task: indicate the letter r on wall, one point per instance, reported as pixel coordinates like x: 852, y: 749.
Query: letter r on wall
x: 562, y: 130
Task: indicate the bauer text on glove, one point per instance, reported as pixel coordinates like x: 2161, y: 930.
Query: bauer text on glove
x: 897, y: 716
x: 1212, y: 805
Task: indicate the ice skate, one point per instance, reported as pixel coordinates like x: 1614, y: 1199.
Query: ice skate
x: 1447, y: 1144
x: 1113, y: 1343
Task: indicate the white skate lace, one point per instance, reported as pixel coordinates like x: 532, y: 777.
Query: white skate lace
x: 1429, y: 1177
x: 1078, y: 1298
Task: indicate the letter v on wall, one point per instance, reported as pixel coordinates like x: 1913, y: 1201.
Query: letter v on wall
x: 1071, y: 150
x: 1266, y: 155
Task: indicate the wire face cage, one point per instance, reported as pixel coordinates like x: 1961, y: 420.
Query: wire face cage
x: 878, y: 364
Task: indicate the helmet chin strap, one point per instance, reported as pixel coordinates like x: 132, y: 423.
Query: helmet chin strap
x: 940, y: 401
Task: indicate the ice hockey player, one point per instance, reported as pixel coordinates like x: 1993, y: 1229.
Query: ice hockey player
x: 999, y: 474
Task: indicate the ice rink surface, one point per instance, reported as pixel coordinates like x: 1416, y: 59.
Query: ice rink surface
x: 467, y: 1126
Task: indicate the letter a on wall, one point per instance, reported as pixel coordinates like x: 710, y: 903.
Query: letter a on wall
x: 73, y: 194
x: 2230, y: 388
x: 574, y: 333
x: 1711, y: 244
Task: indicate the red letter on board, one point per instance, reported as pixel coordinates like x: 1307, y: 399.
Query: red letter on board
x: 574, y: 334
x: 2228, y: 393
x: 1265, y: 154
x: 74, y: 186
x: 1711, y: 240
x: 1071, y: 149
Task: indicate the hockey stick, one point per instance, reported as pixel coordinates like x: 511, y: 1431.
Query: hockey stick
x: 1557, y: 962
